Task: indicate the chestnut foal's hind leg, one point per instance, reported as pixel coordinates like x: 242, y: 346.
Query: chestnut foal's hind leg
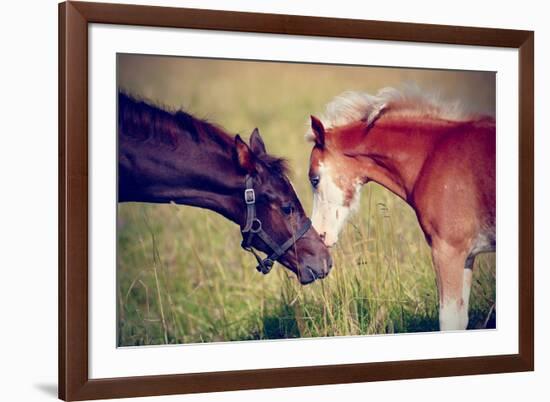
x: 453, y: 283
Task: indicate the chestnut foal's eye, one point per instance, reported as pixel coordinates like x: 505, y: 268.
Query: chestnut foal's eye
x: 314, y: 181
x: 287, y: 209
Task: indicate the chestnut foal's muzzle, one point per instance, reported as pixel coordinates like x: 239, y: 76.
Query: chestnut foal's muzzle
x: 253, y: 227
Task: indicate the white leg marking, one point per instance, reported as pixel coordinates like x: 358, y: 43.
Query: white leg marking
x: 453, y: 315
x: 453, y: 283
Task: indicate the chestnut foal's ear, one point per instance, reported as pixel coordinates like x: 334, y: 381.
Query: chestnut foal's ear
x: 256, y: 143
x: 318, y: 131
x: 245, y: 158
x: 376, y: 112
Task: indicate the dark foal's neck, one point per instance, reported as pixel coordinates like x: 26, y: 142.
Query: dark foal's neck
x: 173, y: 157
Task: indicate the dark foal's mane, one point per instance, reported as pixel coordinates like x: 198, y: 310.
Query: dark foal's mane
x: 143, y: 121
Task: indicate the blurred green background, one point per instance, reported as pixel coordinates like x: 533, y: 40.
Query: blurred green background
x: 182, y: 276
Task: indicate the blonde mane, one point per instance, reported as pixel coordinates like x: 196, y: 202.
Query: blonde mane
x: 352, y: 106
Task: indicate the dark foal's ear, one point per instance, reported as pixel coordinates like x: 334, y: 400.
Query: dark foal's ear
x: 256, y: 143
x: 318, y: 131
x: 245, y: 158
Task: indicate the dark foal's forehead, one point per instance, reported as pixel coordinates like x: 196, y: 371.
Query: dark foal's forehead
x: 274, y: 172
x: 279, y: 187
x: 279, y: 184
x: 275, y: 177
x: 276, y: 166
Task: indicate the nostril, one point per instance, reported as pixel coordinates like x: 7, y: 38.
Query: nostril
x: 327, y: 265
x: 323, y: 235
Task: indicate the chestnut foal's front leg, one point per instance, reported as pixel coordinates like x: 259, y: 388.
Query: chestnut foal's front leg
x: 453, y: 283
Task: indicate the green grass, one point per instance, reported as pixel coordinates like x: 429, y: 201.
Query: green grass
x: 182, y: 276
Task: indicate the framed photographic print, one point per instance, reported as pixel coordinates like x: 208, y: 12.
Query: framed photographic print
x: 257, y: 201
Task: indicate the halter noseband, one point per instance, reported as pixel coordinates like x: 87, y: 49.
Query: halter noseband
x: 253, y: 226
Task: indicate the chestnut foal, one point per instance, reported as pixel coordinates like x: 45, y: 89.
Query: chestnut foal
x: 441, y: 162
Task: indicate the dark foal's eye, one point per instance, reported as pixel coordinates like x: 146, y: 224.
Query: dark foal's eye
x: 287, y: 209
x: 314, y: 181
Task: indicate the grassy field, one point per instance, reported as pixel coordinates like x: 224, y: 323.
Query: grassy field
x: 182, y: 276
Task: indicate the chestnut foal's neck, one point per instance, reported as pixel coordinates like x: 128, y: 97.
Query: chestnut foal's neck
x: 393, y: 155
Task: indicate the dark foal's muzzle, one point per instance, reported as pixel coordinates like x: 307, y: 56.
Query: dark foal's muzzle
x: 253, y: 227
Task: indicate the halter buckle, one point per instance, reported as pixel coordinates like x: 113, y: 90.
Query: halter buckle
x: 249, y: 196
x: 265, y: 266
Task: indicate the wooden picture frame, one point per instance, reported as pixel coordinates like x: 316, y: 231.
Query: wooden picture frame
x: 74, y: 381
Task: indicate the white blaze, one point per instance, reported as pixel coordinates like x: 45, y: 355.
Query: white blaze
x: 329, y: 212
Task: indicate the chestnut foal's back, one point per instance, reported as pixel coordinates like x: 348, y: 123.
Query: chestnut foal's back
x: 440, y: 162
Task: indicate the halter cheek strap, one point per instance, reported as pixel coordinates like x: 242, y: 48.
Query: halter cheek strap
x: 253, y: 227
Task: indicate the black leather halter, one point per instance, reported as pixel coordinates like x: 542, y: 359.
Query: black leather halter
x: 253, y: 226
